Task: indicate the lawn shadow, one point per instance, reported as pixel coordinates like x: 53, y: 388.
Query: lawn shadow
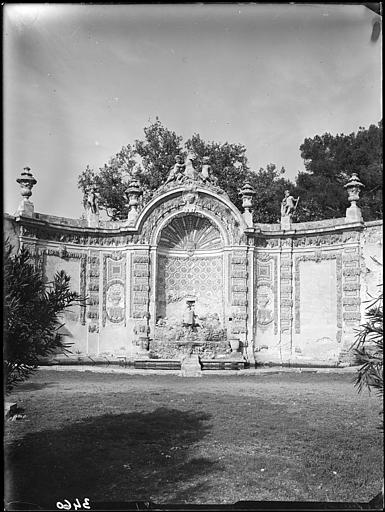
x: 32, y: 386
x: 124, y: 457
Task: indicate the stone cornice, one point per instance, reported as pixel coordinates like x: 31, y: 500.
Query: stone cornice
x: 292, y: 233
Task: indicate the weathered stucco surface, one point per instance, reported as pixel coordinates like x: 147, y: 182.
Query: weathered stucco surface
x: 288, y: 296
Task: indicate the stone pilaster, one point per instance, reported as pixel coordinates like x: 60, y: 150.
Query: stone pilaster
x: 351, y: 315
x: 140, y: 292
x: 94, y: 304
x: 286, y: 298
x: 93, y: 283
x: 249, y: 352
x: 239, y: 299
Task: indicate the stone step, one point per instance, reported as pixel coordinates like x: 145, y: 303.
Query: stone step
x: 175, y: 364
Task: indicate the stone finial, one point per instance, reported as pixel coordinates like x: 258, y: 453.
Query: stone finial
x: 26, y: 182
x: 247, y: 193
x: 353, y: 187
x: 133, y: 192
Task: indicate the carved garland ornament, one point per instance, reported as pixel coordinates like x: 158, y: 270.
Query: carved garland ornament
x: 114, y: 296
x: 140, y: 287
x: 267, y: 278
x: 93, y: 293
x: 83, y: 239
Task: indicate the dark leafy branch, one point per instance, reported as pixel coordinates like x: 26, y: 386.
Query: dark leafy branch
x: 32, y: 310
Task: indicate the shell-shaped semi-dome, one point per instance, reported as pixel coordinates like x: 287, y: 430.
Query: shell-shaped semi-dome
x: 190, y: 233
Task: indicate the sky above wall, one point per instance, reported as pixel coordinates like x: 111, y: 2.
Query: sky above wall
x: 81, y: 81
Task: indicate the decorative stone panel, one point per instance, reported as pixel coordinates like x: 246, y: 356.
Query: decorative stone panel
x: 140, y: 286
x: 238, y: 292
x: 266, y: 291
x: 93, y: 277
x: 318, y: 257
x: 286, y: 310
x: 114, y: 289
x: 351, y: 286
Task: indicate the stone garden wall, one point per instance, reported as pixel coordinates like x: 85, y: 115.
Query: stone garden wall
x: 289, y: 293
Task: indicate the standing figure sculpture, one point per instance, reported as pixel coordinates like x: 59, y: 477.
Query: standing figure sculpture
x: 92, y: 200
x: 288, y: 205
x: 189, y: 317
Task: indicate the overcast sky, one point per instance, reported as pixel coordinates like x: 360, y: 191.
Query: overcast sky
x: 81, y: 81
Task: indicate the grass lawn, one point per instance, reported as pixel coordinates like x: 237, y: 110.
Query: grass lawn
x: 217, y: 439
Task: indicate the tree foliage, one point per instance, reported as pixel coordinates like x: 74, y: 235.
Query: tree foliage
x: 153, y: 157
x: 157, y: 152
x: 329, y: 162
x: 369, y: 349
x: 32, y: 310
x: 111, y: 182
x: 269, y: 185
x: 228, y: 163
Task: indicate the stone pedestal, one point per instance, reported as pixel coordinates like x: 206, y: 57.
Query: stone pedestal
x: 131, y: 217
x: 190, y: 366
x: 26, y: 208
x: 142, y: 354
x: 143, y: 348
x: 353, y: 214
x: 236, y: 356
x: 286, y: 223
x: 248, y: 216
x: 92, y: 219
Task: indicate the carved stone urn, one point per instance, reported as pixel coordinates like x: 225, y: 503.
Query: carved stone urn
x: 133, y: 193
x: 26, y: 182
x: 353, y: 187
x: 246, y: 193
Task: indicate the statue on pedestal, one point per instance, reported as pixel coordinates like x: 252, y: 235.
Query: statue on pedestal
x: 189, y: 317
x: 176, y: 173
x: 92, y: 200
x: 288, y: 205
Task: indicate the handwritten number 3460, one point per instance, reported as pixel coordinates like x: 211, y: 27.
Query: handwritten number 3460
x: 77, y: 505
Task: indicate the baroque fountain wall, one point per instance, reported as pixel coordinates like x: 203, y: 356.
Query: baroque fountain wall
x: 290, y: 296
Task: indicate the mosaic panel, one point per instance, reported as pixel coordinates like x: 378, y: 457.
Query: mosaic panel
x: 200, y: 277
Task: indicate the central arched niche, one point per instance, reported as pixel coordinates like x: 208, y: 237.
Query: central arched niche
x: 190, y: 267
x: 190, y: 233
